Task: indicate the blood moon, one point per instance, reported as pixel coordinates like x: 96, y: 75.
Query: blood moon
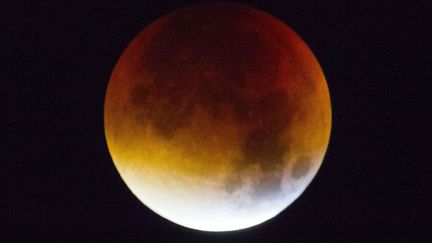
x: 217, y: 116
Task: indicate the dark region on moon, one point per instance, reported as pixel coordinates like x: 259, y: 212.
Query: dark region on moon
x: 301, y: 167
x: 260, y: 148
x: 211, y: 64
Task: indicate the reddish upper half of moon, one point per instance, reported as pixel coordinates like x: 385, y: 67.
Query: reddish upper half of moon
x: 238, y: 63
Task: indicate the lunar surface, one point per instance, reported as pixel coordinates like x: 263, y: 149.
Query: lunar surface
x: 217, y: 116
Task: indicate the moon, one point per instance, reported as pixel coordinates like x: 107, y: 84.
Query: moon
x: 217, y: 116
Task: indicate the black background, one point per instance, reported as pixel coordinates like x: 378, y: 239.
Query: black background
x: 60, y: 181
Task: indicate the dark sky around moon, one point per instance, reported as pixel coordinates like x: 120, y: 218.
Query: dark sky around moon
x: 59, y: 177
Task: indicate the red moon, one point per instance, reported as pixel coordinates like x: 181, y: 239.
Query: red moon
x: 217, y: 116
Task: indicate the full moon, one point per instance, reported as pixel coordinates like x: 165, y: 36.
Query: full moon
x: 217, y: 116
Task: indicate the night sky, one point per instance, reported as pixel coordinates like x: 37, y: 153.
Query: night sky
x: 60, y: 181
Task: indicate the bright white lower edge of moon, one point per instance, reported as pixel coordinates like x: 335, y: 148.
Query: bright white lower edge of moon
x: 217, y: 116
x: 179, y: 203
